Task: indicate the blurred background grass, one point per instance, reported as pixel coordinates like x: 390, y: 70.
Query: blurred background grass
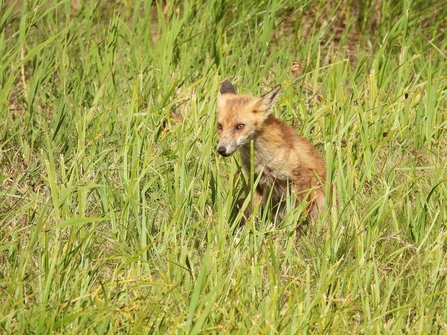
x: 115, y: 209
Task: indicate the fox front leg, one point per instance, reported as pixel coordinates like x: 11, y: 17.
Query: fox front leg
x: 255, y: 203
x: 252, y: 206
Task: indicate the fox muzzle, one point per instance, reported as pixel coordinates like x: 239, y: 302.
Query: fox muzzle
x: 223, y: 151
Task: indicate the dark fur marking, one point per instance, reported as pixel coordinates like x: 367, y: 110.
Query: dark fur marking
x: 227, y: 87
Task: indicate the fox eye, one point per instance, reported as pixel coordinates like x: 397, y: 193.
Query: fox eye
x: 240, y: 126
x: 219, y: 126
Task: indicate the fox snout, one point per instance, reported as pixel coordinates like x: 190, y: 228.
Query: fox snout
x: 226, y: 149
x: 223, y: 151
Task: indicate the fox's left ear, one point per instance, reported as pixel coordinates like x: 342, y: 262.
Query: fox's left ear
x: 227, y: 87
x: 268, y: 100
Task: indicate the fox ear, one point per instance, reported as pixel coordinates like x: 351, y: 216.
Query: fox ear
x: 227, y: 87
x: 268, y: 100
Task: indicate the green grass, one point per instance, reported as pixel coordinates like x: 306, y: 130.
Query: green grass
x: 115, y: 208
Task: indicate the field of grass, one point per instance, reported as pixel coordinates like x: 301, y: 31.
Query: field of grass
x: 116, y: 210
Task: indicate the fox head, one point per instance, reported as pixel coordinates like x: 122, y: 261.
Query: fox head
x: 240, y: 117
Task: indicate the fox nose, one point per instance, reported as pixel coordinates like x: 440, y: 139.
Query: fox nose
x: 222, y: 151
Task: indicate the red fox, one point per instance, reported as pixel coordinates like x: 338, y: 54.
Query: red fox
x: 282, y: 157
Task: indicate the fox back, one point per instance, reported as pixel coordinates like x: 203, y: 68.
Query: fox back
x: 282, y: 158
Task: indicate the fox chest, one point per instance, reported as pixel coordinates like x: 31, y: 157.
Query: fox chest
x: 272, y: 172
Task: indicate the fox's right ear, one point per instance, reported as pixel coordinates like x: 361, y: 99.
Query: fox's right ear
x: 227, y: 87
x: 267, y: 101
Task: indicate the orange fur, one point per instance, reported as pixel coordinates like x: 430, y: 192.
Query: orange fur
x: 282, y: 157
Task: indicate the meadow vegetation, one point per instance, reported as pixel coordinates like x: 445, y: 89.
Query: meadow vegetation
x: 116, y: 210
